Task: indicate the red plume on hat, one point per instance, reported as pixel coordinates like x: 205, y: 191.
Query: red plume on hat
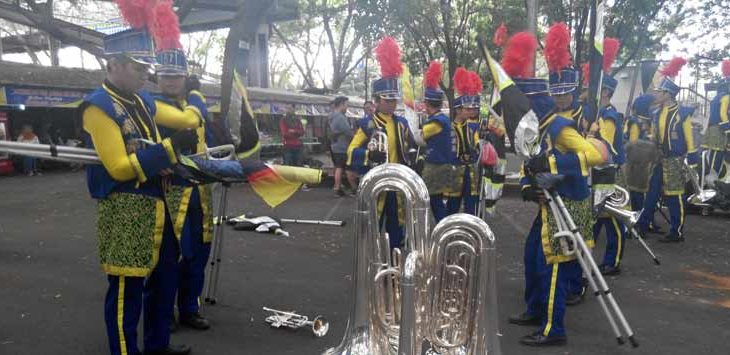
x: 500, y: 36
x: 387, y: 53
x: 725, y: 68
x: 610, y: 51
x: 156, y: 16
x: 467, y: 82
x: 433, y: 75
x: 672, y: 69
x: 557, y: 44
x: 519, y: 55
x: 165, y: 26
x: 136, y: 13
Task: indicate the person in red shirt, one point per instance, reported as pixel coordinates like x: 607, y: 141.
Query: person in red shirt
x: 291, y: 132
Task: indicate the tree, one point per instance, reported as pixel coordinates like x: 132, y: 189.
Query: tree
x: 640, y: 25
x: 444, y: 30
x: 324, y: 24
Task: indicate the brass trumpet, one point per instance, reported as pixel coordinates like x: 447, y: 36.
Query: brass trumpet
x: 443, y: 291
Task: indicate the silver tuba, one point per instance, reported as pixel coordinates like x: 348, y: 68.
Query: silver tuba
x: 398, y: 305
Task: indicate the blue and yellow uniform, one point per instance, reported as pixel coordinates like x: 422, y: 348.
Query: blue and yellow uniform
x: 190, y: 208
x: 718, y: 128
x: 450, y: 168
x: 610, y: 125
x: 467, y: 138
x: 137, y: 246
x: 399, y: 142
x: 548, y: 272
x: 673, y: 133
x: 637, y: 173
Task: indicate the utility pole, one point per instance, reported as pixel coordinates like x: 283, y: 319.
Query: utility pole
x: 532, y: 23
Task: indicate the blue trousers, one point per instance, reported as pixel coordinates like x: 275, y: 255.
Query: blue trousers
x: 389, y: 218
x: 575, y: 277
x: 438, y: 207
x: 292, y: 156
x: 29, y: 164
x: 615, y: 239
x: 716, y: 162
x: 195, y: 255
x: 453, y: 204
x: 546, y: 285
x: 127, y: 296
x: 675, y: 203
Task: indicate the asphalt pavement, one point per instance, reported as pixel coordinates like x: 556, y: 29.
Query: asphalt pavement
x: 52, y: 289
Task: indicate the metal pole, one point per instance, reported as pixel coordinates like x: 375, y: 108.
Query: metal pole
x: 215, y: 261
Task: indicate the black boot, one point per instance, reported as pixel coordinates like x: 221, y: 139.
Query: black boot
x: 525, y: 319
x: 171, y: 350
x: 537, y: 339
x: 194, y: 320
x: 575, y: 299
x: 672, y: 238
x: 609, y: 270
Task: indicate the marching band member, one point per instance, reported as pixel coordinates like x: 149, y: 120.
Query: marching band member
x: 190, y: 205
x: 567, y: 153
x: 137, y: 245
x: 673, y: 134
x: 718, y: 127
x: 437, y: 166
x: 363, y: 151
x: 609, y: 127
x: 564, y: 90
x: 464, y: 138
x: 640, y: 152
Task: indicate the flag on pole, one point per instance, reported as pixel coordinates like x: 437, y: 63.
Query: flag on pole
x: 595, y: 60
x: 520, y: 122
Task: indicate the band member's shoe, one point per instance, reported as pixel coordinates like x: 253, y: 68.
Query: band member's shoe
x: 575, y: 299
x: 609, y: 270
x: 171, y: 349
x: 194, y: 320
x: 672, y: 238
x: 537, y: 339
x: 525, y: 319
x: 655, y: 229
x: 339, y: 192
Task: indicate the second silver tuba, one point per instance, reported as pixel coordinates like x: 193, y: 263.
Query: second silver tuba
x: 443, y: 292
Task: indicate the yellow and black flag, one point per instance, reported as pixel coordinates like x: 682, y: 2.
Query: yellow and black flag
x: 520, y: 122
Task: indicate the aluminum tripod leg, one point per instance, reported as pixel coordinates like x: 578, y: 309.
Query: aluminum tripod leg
x: 603, y: 286
x: 586, y: 269
x: 215, y: 258
x: 643, y: 244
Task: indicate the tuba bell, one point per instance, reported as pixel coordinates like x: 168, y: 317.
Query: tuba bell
x: 441, y: 291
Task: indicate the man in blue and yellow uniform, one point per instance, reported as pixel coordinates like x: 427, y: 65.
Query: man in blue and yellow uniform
x: 547, y: 270
x: 464, y: 145
x: 190, y: 205
x: 137, y: 246
x: 437, y: 171
x: 641, y: 153
x: 673, y: 133
x: 361, y: 154
x: 609, y: 127
x: 564, y: 89
x: 718, y: 128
